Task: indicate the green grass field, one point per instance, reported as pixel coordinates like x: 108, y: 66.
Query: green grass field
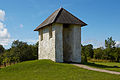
x: 48, y: 70
x: 113, y: 66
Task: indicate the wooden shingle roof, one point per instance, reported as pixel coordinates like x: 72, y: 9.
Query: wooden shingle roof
x: 61, y: 16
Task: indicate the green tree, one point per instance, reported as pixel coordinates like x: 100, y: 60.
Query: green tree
x: 110, y: 48
x: 2, y: 49
x: 83, y: 54
x: 1, y: 60
x: 117, y: 54
x: 35, y: 50
x: 24, y: 51
x: 98, y: 53
x: 89, y: 50
x: 110, y: 43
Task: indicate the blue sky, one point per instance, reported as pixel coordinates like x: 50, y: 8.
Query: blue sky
x: 18, y: 19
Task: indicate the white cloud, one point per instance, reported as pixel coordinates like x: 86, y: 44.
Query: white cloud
x: 98, y: 43
x: 95, y: 43
x: 117, y: 44
x: 4, y: 42
x: 21, y: 25
x: 31, y: 41
x: 2, y: 15
x: 3, y: 31
x: 4, y: 35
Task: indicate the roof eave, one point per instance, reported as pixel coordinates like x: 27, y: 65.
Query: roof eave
x: 49, y: 24
x: 84, y: 25
x: 37, y: 29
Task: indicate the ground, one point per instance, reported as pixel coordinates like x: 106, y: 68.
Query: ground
x: 113, y: 66
x: 49, y: 70
x: 96, y: 69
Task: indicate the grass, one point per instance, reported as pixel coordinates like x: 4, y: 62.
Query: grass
x: 113, y: 66
x: 49, y: 70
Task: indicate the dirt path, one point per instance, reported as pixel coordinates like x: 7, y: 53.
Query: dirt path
x: 96, y: 69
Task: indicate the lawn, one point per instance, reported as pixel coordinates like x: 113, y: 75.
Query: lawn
x: 49, y: 70
x: 113, y: 66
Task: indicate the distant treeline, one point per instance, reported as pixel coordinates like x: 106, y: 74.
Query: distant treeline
x: 110, y: 52
x: 19, y: 51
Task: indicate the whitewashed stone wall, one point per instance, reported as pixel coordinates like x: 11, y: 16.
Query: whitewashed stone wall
x: 51, y: 48
x: 72, y: 43
x: 65, y: 44
x: 76, y: 57
x: 47, y: 45
x: 59, y: 42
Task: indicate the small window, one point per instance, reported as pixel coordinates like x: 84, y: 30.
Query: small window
x: 41, y: 34
x: 50, y: 31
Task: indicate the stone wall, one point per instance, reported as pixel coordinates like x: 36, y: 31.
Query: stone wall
x: 71, y: 43
x: 47, y: 45
x: 76, y: 57
x: 64, y: 45
x: 51, y: 48
x: 59, y: 42
x: 67, y: 43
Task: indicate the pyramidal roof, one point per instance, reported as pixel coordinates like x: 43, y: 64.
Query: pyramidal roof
x: 61, y: 16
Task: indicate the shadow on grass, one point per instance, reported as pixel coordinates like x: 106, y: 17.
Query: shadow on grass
x: 99, y: 65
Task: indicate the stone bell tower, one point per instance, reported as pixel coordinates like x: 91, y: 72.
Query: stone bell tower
x: 60, y: 37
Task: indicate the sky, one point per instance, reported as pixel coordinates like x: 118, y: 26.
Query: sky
x: 18, y: 19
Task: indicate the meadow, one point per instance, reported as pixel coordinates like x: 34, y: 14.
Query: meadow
x: 113, y: 66
x: 49, y: 70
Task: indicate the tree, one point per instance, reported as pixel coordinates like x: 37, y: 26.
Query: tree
x: 117, y: 54
x: 98, y: 53
x: 18, y: 48
x: 1, y: 49
x: 109, y: 43
x: 24, y: 51
x: 110, y: 48
x: 1, y: 60
x: 19, y: 51
x: 83, y: 54
x: 35, y: 50
x: 18, y: 44
x: 89, y: 50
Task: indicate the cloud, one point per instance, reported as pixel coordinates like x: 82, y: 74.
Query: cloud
x: 21, y: 25
x: 95, y: 43
x: 98, y: 43
x: 3, y: 31
x: 4, y: 35
x: 29, y: 41
x: 117, y: 44
x: 2, y: 15
x: 32, y: 41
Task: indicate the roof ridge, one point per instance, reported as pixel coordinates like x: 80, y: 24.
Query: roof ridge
x: 60, y: 9
x: 62, y: 16
x: 74, y: 16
